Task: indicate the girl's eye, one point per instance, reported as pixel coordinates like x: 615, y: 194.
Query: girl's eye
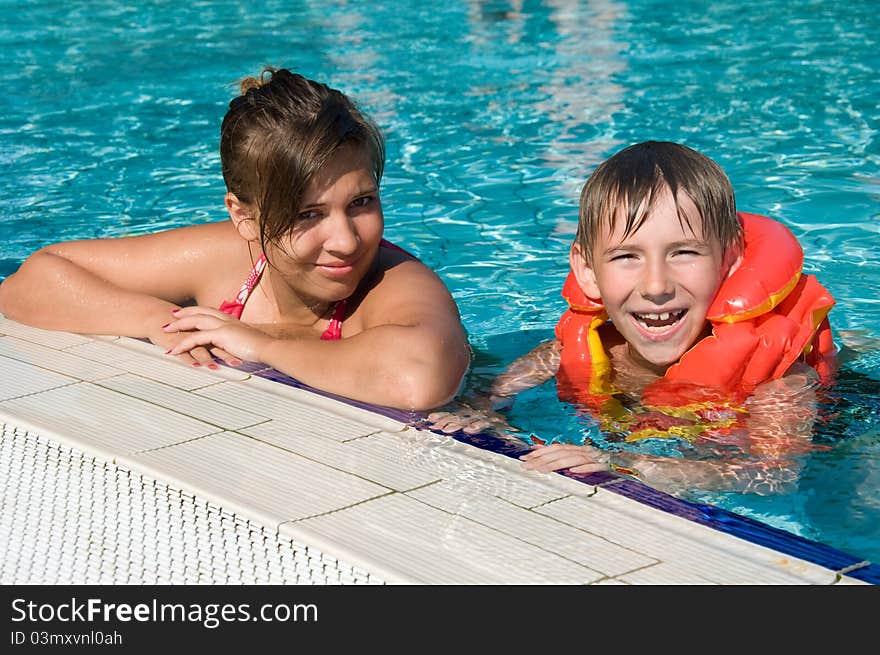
x: 363, y: 201
x: 308, y: 215
x: 686, y: 252
x: 623, y: 257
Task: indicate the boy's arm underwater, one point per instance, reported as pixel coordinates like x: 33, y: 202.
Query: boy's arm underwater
x: 777, y: 430
x: 478, y: 413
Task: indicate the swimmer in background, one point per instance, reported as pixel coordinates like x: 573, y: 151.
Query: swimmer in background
x: 325, y: 299
x: 696, y: 317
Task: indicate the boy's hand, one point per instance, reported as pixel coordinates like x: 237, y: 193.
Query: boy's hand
x: 469, y: 420
x: 558, y: 456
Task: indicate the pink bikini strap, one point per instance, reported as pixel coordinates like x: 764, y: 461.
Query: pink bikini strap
x: 235, y: 307
x: 334, y: 330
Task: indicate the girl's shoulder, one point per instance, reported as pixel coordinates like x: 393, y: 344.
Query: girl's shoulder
x: 187, y: 243
x: 216, y: 235
x: 401, y: 289
x: 402, y: 273
x: 212, y: 257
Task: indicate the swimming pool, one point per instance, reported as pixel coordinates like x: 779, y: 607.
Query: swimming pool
x: 495, y: 112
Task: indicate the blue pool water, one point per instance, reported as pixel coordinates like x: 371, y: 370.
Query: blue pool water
x: 495, y: 113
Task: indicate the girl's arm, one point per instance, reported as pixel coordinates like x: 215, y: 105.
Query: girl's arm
x: 126, y: 286
x: 410, y: 353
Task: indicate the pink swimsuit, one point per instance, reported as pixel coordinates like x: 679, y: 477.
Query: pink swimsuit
x: 333, y: 331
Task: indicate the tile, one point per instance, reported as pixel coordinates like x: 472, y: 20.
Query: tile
x: 581, y: 546
x: 102, y: 421
x: 489, y: 472
x: 379, y: 457
x: 20, y: 379
x: 340, y: 408
x: 52, y: 359
x: 184, y: 402
x: 313, y: 413
x: 149, y: 361
x: 254, y: 479
x: 465, y: 511
x: 49, y: 338
x: 399, y: 415
x: 609, y: 581
x: 707, y: 553
x: 146, y: 347
x: 664, y: 573
x: 403, y: 540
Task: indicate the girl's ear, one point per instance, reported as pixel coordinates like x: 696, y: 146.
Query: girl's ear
x: 583, y: 272
x: 242, y: 217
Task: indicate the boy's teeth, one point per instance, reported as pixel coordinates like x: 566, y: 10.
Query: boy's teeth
x: 652, y: 320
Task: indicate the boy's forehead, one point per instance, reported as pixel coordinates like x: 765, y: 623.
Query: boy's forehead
x: 660, y: 214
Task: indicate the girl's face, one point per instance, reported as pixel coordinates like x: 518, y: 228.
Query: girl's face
x: 337, y: 231
x: 658, y: 283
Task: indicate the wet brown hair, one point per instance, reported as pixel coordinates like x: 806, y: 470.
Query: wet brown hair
x: 279, y: 133
x: 633, y: 179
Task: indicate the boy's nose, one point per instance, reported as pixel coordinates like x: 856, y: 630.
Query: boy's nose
x: 657, y: 285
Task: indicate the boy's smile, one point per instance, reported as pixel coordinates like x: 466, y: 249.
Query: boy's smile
x: 656, y: 284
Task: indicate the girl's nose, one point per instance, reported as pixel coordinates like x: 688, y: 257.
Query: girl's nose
x: 341, y: 236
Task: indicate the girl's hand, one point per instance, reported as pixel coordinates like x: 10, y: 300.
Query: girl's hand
x: 197, y: 356
x: 558, y: 456
x: 204, y: 332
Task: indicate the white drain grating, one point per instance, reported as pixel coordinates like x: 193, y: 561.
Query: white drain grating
x: 69, y: 518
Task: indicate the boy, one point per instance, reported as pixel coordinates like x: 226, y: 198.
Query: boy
x: 699, y: 313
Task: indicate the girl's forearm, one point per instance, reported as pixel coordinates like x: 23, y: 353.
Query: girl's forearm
x: 409, y: 368
x: 51, y: 292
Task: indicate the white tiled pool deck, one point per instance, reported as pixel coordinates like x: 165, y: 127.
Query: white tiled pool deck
x: 406, y: 505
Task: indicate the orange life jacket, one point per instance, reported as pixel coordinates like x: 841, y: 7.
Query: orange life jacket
x: 765, y: 316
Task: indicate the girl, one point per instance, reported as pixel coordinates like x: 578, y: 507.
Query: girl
x: 298, y: 278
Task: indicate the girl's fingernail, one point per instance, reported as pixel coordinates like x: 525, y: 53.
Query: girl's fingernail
x: 213, y: 366
x: 196, y: 364
x: 168, y: 352
x: 175, y: 310
x: 166, y: 325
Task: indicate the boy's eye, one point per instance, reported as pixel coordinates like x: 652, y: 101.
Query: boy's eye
x: 623, y: 256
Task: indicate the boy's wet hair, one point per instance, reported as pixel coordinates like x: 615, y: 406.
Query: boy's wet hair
x: 279, y: 133
x: 632, y: 180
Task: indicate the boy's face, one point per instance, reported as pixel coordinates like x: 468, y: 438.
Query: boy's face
x: 658, y: 283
